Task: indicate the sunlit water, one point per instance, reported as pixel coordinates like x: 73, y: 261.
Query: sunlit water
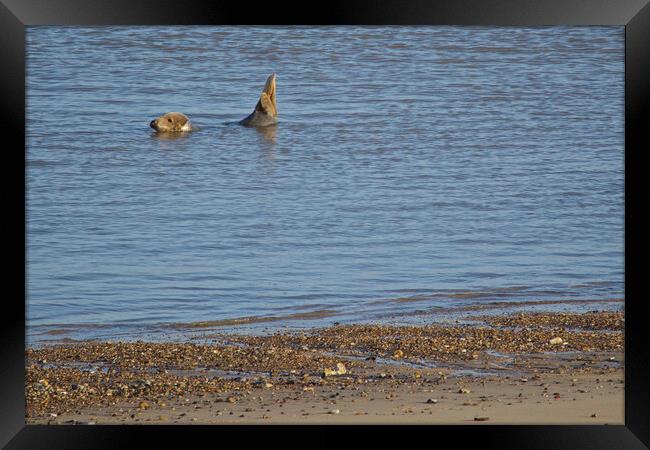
x: 449, y: 165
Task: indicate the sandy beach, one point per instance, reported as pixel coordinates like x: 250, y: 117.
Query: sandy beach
x: 514, y: 368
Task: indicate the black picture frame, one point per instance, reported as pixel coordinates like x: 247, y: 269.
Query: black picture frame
x: 16, y: 15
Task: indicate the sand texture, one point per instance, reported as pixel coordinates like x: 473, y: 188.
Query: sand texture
x: 517, y: 368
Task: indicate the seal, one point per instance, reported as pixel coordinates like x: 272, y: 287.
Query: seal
x: 266, y: 110
x: 171, y: 122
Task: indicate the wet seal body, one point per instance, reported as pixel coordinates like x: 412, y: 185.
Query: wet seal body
x: 266, y: 111
x: 171, y: 122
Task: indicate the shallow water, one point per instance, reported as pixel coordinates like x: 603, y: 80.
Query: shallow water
x: 412, y: 167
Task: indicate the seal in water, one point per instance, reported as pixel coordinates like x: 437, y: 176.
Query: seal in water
x: 266, y: 112
x: 171, y: 122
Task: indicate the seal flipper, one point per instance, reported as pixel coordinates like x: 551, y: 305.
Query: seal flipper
x: 267, y: 102
x: 265, y: 105
x: 266, y: 111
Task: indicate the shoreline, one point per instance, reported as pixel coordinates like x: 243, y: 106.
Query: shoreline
x: 526, y: 367
x: 319, y: 318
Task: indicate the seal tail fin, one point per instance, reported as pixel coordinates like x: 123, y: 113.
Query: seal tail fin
x: 266, y: 102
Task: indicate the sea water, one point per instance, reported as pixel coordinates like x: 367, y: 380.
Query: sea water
x: 447, y: 165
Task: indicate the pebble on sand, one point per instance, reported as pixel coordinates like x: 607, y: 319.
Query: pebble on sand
x: 340, y: 370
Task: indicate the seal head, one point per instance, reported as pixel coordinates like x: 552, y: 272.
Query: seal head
x: 266, y: 110
x: 171, y: 122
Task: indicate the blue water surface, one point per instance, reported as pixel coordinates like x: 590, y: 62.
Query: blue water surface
x: 446, y: 164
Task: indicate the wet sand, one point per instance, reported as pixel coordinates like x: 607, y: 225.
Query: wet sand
x: 551, y: 368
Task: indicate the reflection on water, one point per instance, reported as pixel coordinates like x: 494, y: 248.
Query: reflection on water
x: 170, y: 136
x: 268, y: 137
x: 268, y: 134
x: 436, y: 165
